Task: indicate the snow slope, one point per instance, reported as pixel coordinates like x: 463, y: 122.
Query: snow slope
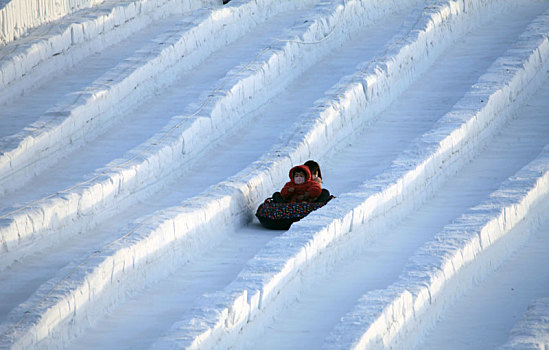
x: 132, y: 159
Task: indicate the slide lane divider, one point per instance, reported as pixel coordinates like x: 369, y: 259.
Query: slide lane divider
x: 462, y: 253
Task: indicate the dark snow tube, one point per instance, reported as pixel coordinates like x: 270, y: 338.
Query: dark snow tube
x: 280, y: 216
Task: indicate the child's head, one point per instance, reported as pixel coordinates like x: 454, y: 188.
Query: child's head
x: 314, y: 168
x: 299, y: 176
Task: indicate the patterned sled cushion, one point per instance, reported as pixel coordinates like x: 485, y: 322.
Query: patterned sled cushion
x: 276, y: 211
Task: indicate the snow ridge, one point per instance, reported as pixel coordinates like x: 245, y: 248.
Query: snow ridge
x: 387, y: 317
x: 18, y: 16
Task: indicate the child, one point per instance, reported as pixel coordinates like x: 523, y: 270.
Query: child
x: 316, y: 176
x: 300, y: 188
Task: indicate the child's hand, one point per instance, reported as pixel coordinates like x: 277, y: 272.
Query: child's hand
x: 290, y: 189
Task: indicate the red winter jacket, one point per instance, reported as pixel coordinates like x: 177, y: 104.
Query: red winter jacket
x: 307, y: 191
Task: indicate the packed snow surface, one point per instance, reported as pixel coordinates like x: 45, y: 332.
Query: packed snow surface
x: 138, y: 138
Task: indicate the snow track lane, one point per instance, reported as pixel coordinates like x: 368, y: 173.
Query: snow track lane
x: 137, y: 323
x: 426, y: 100
x: 85, y: 113
x: 47, y: 49
x: 111, y: 186
x: 245, y: 144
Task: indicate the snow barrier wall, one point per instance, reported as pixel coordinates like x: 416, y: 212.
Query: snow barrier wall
x: 89, y: 112
x: 221, y: 317
x: 391, y: 317
x: 180, y: 140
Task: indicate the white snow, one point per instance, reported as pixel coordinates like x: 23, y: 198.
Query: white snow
x: 154, y: 246
x: 532, y: 331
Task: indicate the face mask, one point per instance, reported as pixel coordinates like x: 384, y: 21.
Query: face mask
x: 299, y: 180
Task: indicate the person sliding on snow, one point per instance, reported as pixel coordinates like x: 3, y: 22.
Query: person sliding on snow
x: 316, y: 176
x: 300, y: 188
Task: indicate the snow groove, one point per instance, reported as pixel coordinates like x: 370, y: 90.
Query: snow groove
x: 384, y: 318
